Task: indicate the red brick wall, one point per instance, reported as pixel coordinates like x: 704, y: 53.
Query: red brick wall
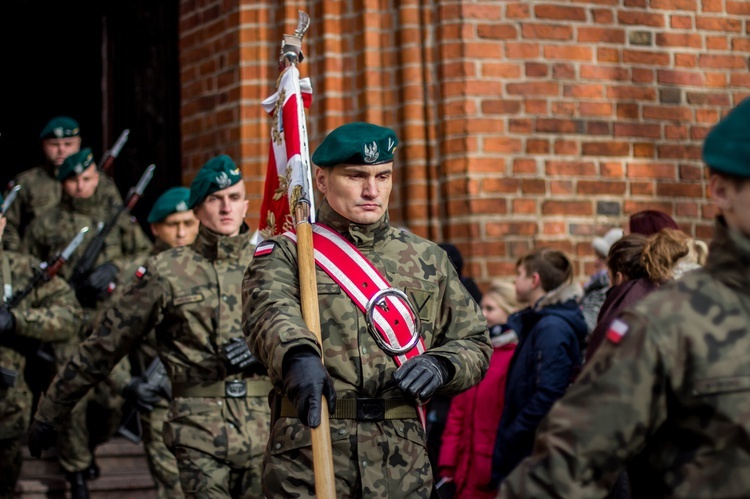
x: 522, y: 123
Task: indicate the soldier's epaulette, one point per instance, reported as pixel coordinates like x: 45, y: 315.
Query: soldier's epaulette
x: 264, y: 248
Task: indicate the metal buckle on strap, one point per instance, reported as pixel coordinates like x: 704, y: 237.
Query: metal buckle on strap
x: 379, y: 300
x: 370, y: 409
x: 235, y: 388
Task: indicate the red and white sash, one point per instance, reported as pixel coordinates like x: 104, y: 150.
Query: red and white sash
x: 360, y: 280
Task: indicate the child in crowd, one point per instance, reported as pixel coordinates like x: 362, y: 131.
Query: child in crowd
x: 466, y: 454
x: 548, y: 356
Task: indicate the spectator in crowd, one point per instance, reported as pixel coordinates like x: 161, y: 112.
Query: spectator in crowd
x: 548, y: 356
x: 465, y: 462
x: 595, y: 290
x: 649, y: 222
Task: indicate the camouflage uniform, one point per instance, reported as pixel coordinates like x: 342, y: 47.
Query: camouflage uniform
x: 39, y: 192
x: 161, y: 462
x: 190, y: 296
x: 49, y: 313
x: 669, y: 397
x: 49, y: 234
x: 371, y: 459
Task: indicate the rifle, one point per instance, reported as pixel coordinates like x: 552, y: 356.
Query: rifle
x: 85, y: 263
x: 9, y: 200
x: 110, y: 155
x: 45, y: 272
x: 130, y: 427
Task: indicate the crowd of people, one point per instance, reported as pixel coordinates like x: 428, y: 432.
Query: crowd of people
x: 539, y: 386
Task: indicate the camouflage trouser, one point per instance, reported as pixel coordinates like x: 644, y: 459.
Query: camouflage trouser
x: 218, y: 443
x: 10, y: 466
x: 161, y: 461
x: 89, y: 424
x: 370, y: 459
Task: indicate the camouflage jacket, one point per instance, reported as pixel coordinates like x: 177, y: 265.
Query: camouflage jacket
x: 53, y: 230
x: 39, y: 192
x: 453, y: 325
x: 667, y: 393
x: 189, y: 295
x: 50, y: 313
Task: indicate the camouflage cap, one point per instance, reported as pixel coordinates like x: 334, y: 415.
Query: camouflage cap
x: 218, y: 173
x: 356, y: 144
x: 727, y: 146
x: 75, y: 164
x: 60, y: 127
x: 172, y: 201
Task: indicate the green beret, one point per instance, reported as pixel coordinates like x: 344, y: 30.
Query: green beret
x: 218, y: 173
x: 727, y: 146
x: 60, y: 127
x: 172, y: 201
x: 356, y: 144
x: 75, y: 164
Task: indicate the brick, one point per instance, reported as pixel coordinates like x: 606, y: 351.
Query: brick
x: 685, y: 60
x: 554, y: 228
x: 692, y: 172
x: 640, y: 18
x: 537, y: 146
x: 517, y: 10
x: 600, y: 187
x: 717, y: 43
x: 511, y: 229
x: 722, y: 24
x: 686, y: 210
x: 679, y: 40
x: 589, y: 91
x: 483, y: 12
x: 602, y: 16
x: 596, y: 108
x: 638, y: 37
x: 535, y: 106
x: 569, y: 53
x: 740, y: 8
x: 681, y: 190
x: 533, y: 186
x: 567, y: 147
x: 601, y: 35
x: 559, y: 12
x: 604, y: 54
x: 524, y: 166
x: 611, y: 208
x: 595, y: 127
x: 636, y: 206
x: 562, y: 70
x: 676, y: 132
x: 740, y: 45
x: 520, y: 125
x: 487, y: 206
x: 642, y: 189
x: 604, y: 73
x: 674, y: 4
x: 570, y: 168
x: 497, y: 106
x: 536, y: 70
x: 503, y: 145
x: 708, y: 98
x: 561, y: 187
x: 718, y: 80
x: 628, y: 111
x: 681, y: 22
x: 567, y: 208
x: 548, y: 88
x: 670, y: 96
x: 644, y: 150
x: 500, y: 185
x: 722, y: 61
x: 520, y: 50
x: 564, y: 108
x: 547, y: 31
x: 631, y: 92
x: 611, y: 148
x: 524, y: 206
x: 651, y: 170
x: 679, y: 151
x: 638, y: 130
x: 544, y: 125
x: 679, y: 77
x: 646, y: 58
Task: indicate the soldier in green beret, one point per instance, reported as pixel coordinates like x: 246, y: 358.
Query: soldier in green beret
x: 40, y: 189
x: 668, y: 393
x: 49, y: 314
x: 84, y: 203
x: 172, y: 225
x: 218, y: 420
x: 374, y: 393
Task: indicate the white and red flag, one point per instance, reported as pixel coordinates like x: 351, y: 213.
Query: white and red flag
x: 289, y: 177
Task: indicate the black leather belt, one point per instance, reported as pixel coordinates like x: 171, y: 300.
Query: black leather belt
x: 362, y: 409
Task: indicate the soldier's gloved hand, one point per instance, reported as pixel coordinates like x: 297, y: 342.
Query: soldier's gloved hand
x: 7, y: 321
x: 237, y: 354
x: 42, y: 436
x: 101, y: 277
x: 143, y: 395
x: 421, y: 376
x: 306, y: 381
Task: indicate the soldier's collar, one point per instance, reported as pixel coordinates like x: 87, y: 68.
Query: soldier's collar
x: 215, y: 246
x: 729, y: 257
x: 357, y: 233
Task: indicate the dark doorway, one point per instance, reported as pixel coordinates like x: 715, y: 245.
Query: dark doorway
x: 109, y: 65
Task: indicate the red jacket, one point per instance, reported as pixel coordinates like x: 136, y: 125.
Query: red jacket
x: 471, y: 428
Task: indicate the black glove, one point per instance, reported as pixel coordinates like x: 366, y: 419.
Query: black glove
x: 238, y: 356
x: 143, y: 395
x: 101, y: 277
x: 306, y: 381
x: 7, y: 321
x: 42, y: 436
x: 421, y: 376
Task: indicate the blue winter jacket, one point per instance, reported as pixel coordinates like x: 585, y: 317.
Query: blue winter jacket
x: 546, y: 360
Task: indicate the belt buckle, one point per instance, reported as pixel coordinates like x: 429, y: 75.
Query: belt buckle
x: 370, y: 409
x: 235, y: 388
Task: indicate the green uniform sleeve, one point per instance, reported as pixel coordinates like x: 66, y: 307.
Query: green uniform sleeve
x: 618, y: 401
x: 132, y: 316
x: 53, y: 315
x: 11, y: 234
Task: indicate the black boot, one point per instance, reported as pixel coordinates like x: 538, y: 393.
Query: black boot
x: 79, y: 489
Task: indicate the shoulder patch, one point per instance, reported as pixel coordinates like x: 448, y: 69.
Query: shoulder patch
x: 617, y: 331
x: 140, y: 272
x: 264, y: 248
